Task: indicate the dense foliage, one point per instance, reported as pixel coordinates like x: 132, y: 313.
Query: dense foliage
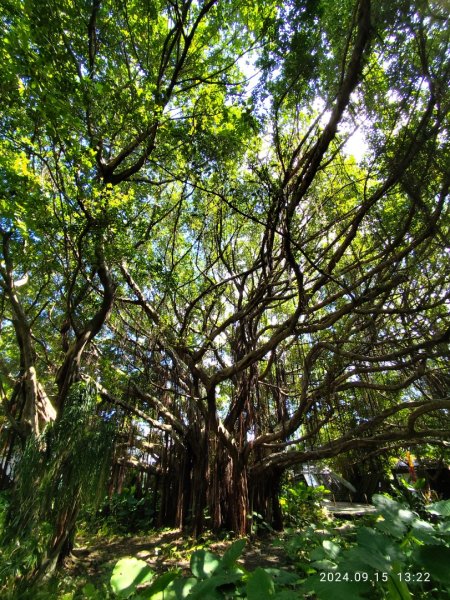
x: 399, y: 557
x: 186, y: 233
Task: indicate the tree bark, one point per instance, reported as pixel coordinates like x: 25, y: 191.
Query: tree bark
x: 69, y: 370
x: 264, y: 498
x: 37, y: 409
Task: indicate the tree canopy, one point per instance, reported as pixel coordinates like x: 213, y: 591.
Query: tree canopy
x: 185, y: 231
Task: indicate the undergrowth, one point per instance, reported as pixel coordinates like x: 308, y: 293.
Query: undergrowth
x: 395, y: 554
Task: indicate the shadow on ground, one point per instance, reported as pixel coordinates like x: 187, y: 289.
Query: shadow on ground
x: 166, y: 550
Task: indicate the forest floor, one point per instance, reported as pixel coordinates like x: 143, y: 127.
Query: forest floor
x: 95, y: 558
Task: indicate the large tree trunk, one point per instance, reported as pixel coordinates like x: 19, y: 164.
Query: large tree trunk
x: 184, y: 489
x: 200, y: 480
x: 264, y: 497
x: 234, y: 496
x: 183, y: 485
x: 228, y: 493
x: 68, y: 372
x: 237, y: 499
x: 37, y: 410
x: 62, y: 544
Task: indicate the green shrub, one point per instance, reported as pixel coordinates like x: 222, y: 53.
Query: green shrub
x: 302, y: 504
x: 4, y: 507
x: 212, y: 577
x: 125, y: 513
x: 402, y: 556
x: 63, y: 468
x: 399, y: 557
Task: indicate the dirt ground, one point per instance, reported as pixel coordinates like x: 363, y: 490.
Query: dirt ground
x: 165, y: 550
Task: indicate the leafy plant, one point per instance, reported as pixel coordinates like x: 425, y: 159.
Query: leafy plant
x: 124, y: 513
x: 302, y: 504
x: 128, y: 574
x: 212, y: 577
x: 258, y: 525
x: 401, y: 557
x: 416, y: 494
x: 58, y: 471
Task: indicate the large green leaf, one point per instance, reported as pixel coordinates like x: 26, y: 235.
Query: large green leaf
x: 373, y: 550
x: 127, y: 574
x: 424, y: 532
x: 441, y: 508
x: 436, y: 561
x: 286, y: 595
x: 331, y: 549
x: 335, y: 590
x: 207, y: 588
x: 204, y: 563
x: 282, y: 577
x: 179, y: 588
x: 232, y: 554
x: 397, y: 589
x: 260, y: 585
x: 396, y: 517
x: 157, y: 590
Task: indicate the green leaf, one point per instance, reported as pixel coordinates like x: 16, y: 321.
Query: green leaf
x: 441, y: 508
x: 336, y: 590
x: 444, y: 528
x: 282, y: 577
x: 286, y: 595
x: 89, y: 590
x: 396, y: 517
x: 424, y: 532
x: 436, y: 561
x: 204, y: 563
x: 232, y: 554
x: 179, y: 588
x: 325, y: 564
x: 374, y: 550
x: 331, y: 549
x: 127, y: 574
x: 317, y: 554
x: 156, y: 591
x: 260, y: 585
x: 397, y: 589
x: 207, y: 588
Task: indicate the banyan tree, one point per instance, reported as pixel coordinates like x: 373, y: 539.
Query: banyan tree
x: 191, y: 240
